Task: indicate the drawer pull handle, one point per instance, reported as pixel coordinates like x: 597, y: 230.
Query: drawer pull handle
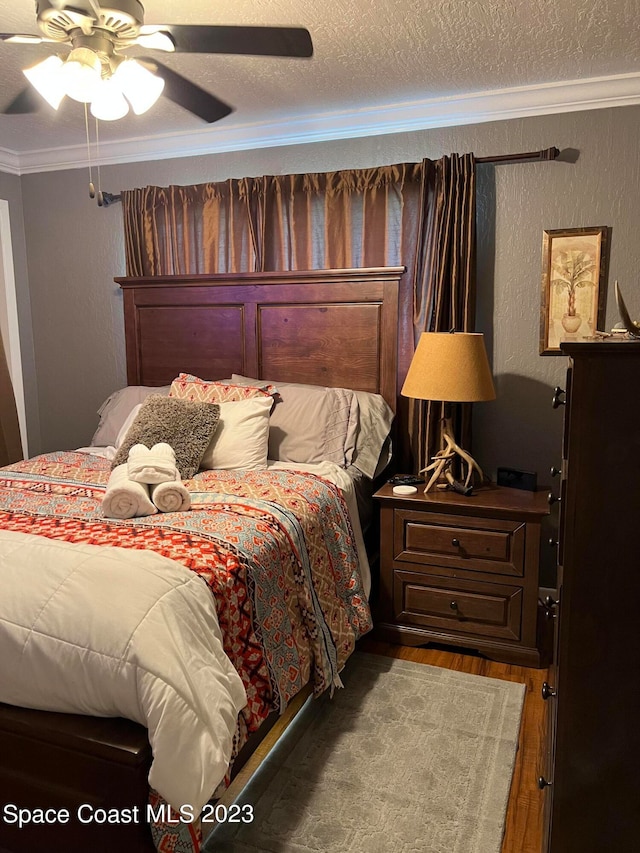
x: 542, y: 783
x: 555, y: 471
x: 547, y: 691
x: 454, y: 605
x: 553, y: 499
x: 455, y: 543
x: 553, y: 542
x: 550, y: 607
x: 555, y: 400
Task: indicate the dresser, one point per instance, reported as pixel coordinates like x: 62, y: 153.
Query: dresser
x: 461, y: 570
x: 590, y: 775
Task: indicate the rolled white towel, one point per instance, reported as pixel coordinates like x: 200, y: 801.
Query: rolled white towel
x: 155, y: 465
x: 171, y: 497
x: 125, y: 498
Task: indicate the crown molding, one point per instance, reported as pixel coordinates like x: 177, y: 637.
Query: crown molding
x: 9, y: 162
x: 474, y: 108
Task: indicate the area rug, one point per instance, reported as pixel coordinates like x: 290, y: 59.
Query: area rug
x: 407, y: 758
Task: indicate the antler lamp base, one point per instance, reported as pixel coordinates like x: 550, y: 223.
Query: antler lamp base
x: 442, y: 462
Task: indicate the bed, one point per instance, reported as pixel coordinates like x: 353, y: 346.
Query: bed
x: 287, y: 328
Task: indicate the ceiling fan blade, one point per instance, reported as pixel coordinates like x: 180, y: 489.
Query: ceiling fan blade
x: 152, y: 39
x: 28, y: 101
x: 256, y: 41
x: 21, y: 38
x: 191, y: 97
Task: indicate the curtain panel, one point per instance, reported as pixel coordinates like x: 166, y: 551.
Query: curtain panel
x: 417, y: 215
x: 444, y: 286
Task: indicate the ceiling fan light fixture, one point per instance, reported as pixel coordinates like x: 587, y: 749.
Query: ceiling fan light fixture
x: 97, y: 35
x: 140, y: 87
x: 82, y: 74
x: 45, y: 77
x: 109, y: 104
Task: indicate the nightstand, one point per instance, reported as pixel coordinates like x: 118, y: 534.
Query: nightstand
x: 462, y: 570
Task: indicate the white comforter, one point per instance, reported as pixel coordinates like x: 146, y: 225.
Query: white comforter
x: 151, y: 652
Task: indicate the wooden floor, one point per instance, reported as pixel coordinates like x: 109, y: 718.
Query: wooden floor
x: 523, y: 832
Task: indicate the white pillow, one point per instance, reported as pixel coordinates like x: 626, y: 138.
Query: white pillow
x: 124, y: 429
x: 242, y: 437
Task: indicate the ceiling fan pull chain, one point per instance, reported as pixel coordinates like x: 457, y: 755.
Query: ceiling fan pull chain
x: 92, y: 189
x: 100, y: 196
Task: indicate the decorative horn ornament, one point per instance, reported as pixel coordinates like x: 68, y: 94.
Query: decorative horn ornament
x: 632, y: 328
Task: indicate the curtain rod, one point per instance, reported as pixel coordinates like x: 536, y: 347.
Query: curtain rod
x: 527, y: 156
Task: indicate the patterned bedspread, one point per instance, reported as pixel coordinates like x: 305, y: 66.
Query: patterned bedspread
x: 275, y: 547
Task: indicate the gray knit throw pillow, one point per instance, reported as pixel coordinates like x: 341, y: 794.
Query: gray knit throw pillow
x: 187, y: 426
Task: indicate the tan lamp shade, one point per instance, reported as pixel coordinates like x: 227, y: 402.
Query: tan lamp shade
x: 450, y: 366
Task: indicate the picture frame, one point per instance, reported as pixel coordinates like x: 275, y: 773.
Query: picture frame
x: 574, y: 270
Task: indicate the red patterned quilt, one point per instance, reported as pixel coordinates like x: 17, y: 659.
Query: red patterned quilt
x: 275, y: 547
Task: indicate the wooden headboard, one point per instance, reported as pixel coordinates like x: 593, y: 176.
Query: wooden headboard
x: 323, y: 327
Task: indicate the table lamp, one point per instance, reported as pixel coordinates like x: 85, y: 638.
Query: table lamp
x: 451, y: 367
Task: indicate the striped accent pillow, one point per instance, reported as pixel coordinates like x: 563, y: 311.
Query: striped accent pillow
x: 189, y: 387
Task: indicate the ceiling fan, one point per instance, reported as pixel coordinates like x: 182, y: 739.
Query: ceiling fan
x: 97, y: 72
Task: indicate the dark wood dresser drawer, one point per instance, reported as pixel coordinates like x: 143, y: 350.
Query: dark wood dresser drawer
x: 495, y: 546
x: 468, y: 607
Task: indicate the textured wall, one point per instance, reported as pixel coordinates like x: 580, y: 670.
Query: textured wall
x: 75, y: 250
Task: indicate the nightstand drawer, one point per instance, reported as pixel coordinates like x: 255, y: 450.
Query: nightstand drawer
x: 477, y: 544
x: 490, y: 610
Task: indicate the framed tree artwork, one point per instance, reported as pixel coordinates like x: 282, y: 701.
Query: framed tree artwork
x: 574, y: 267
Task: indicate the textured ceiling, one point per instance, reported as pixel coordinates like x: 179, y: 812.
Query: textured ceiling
x: 367, y: 54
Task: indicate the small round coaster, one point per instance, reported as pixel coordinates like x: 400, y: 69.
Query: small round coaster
x: 404, y: 490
